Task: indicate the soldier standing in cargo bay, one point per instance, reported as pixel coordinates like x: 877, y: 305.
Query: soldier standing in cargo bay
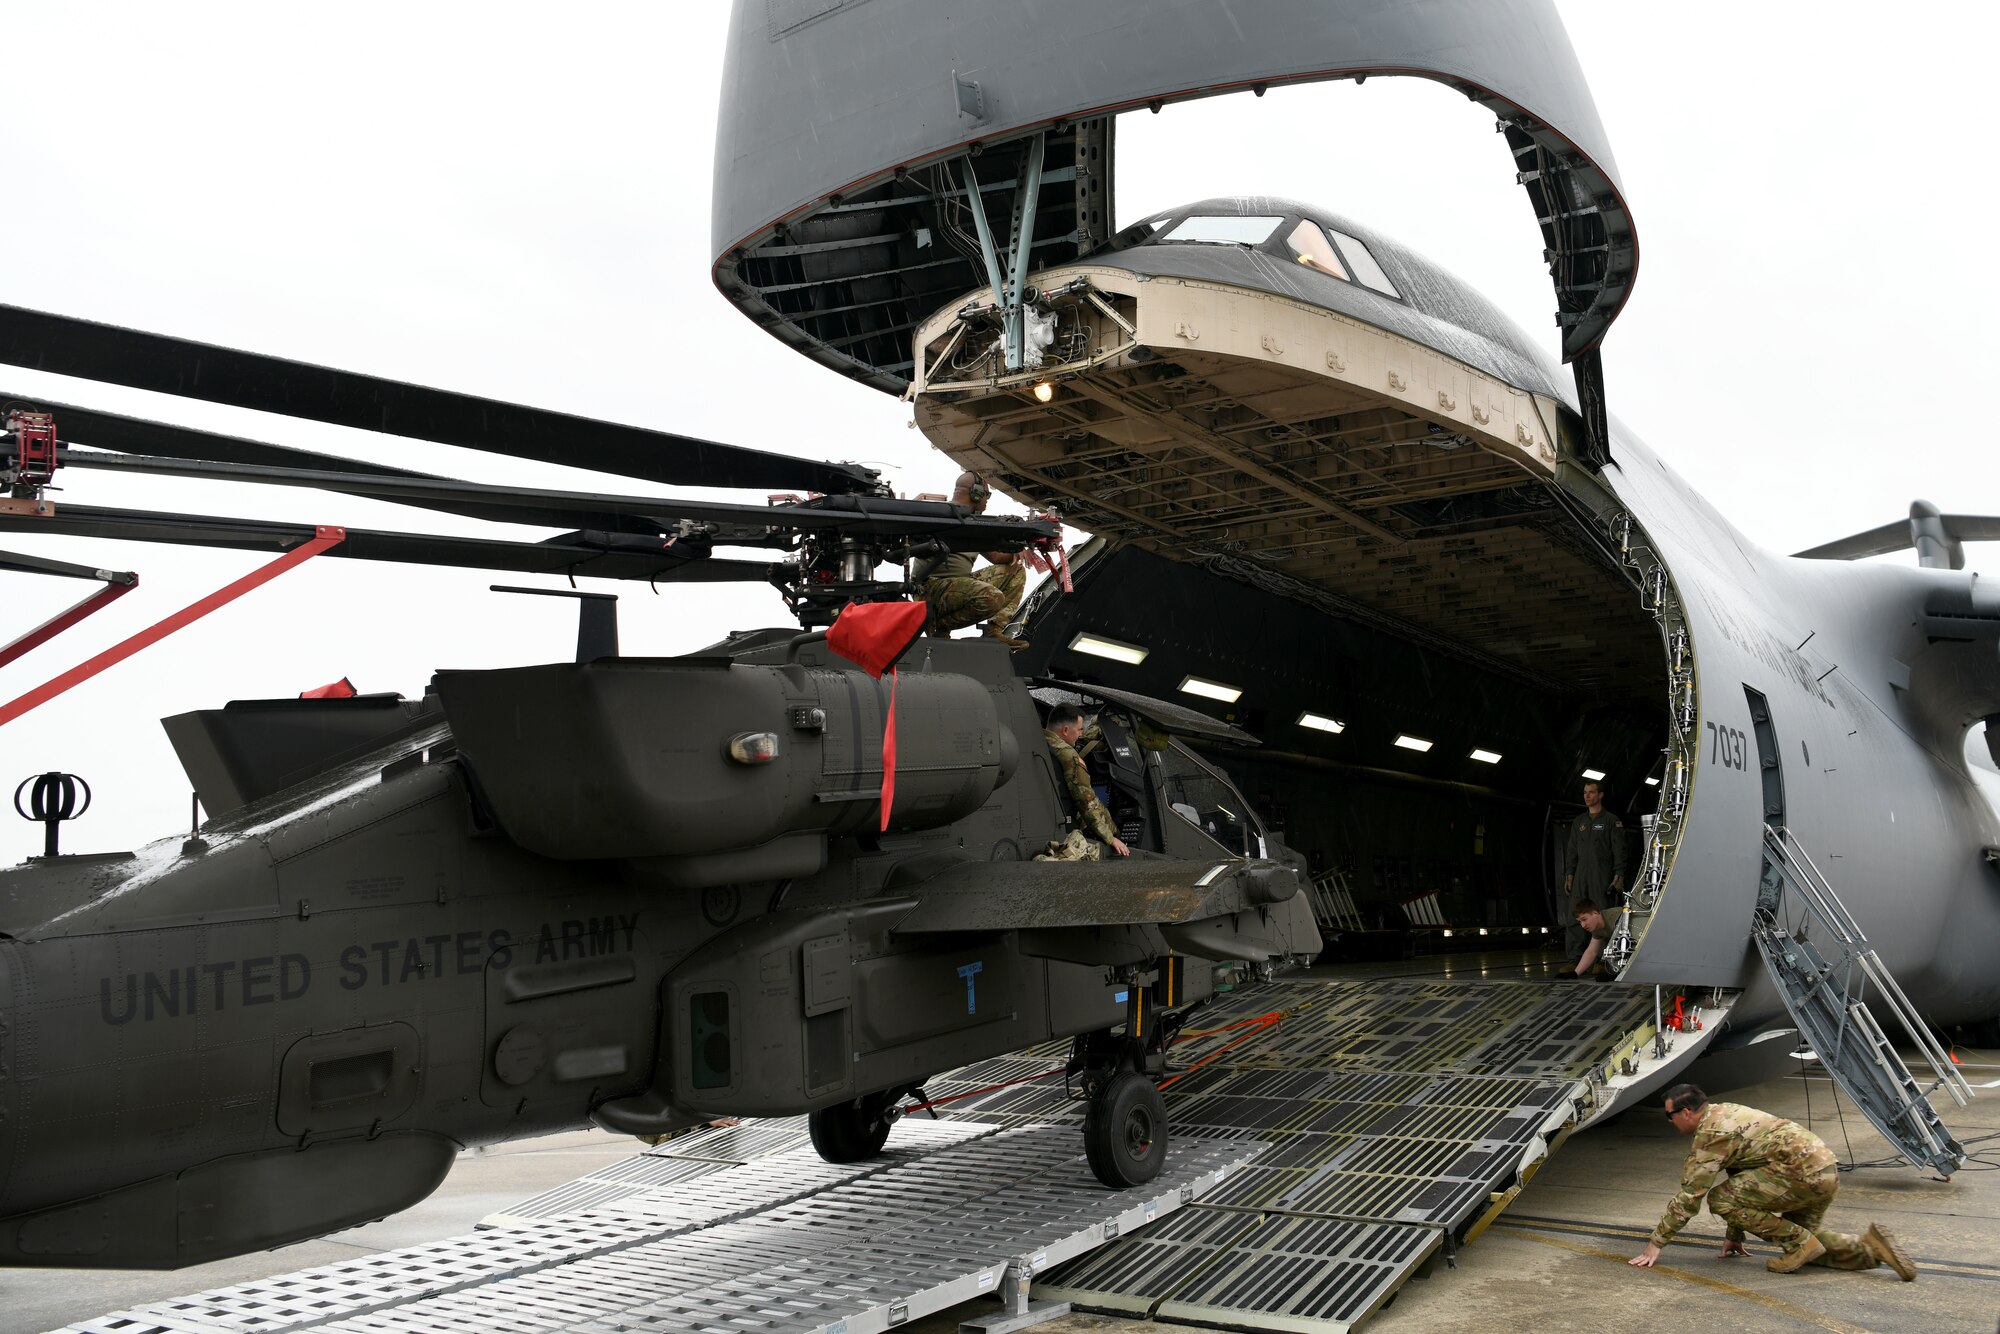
x: 1593, y: 866
x: 1781, y: 1178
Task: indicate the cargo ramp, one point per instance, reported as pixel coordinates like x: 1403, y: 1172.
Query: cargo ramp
x: 1330, y: 1139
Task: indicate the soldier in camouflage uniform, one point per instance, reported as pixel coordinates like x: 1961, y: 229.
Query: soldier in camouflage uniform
x: 959, y: 596
x: 1064, y: 730
x: 1781, y: 1178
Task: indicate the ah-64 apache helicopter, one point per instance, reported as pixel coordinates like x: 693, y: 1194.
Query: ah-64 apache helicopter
x: 1272, y: 414
x: 640, y: 892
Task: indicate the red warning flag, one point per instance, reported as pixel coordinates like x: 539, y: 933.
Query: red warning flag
x: 873, y: 635
x: 341, y: 689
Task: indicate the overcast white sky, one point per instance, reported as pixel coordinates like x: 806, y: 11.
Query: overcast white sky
x: 513, y: 201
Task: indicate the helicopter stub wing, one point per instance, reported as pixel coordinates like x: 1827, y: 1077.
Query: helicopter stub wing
x: 1024, y: 896
x: 1122, y: 912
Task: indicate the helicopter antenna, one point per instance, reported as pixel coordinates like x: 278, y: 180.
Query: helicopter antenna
x: 596, y: 618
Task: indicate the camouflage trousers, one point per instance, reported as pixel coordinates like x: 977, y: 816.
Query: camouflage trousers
x: 1785, y: 1211
x: 1078, y: 847
x: 991, y: 594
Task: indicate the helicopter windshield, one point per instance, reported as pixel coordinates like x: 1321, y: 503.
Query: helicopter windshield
x: 1208, y: 801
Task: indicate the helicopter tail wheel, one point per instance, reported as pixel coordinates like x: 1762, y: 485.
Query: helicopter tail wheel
x: 854, y: 1131
x: 1125, y: 1131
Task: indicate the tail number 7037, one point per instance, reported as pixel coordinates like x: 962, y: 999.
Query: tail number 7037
x: 1727, y: 746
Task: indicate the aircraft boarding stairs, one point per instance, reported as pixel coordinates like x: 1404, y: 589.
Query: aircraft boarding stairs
x: 1828, y: 1001
x: 1330, y: 1140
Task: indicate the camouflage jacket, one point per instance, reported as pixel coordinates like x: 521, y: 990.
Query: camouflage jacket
x: 1090, y: 812
x: 1732, y: 1138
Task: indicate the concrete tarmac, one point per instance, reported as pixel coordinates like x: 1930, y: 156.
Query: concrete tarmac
x: 1555, y: 1260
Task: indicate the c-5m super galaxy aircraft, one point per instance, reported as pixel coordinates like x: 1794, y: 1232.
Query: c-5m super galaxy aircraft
x: 1367, y: 498
x: 1320, y: 474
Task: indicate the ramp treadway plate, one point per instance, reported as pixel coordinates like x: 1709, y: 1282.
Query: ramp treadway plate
x: 1394, y: 1110
x: 1385, y: 1114
x: 784, y: 1244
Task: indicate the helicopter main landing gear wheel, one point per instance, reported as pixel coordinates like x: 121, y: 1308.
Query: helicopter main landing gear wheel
x: 851, y: 1132
x: 1125, y: 1125
x: 1125, y: 1131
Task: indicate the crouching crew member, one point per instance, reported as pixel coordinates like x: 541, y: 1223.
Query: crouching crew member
x: 958, y: 596
x: 1599, y: 923
x: 1782, y: 1177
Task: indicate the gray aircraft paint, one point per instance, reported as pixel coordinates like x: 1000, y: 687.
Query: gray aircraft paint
x: 1887, y: 805
x: 822, y: 97
x: 1438, y: 309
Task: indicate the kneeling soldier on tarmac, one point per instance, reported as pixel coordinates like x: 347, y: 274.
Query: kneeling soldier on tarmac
x: 1782, y: 1178
x: 957, y: 596
x: 1064, y: 730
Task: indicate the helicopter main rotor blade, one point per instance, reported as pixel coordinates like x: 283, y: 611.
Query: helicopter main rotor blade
x: 106, y: 353
x: 572, y: 555
x: 140, y: 437
x: 753, y: 525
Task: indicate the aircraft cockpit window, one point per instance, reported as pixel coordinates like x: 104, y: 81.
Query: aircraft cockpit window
x: 1310, y: 246
x: 1207, y: 801
x: 1365, y: 268
x: 1212, y: 229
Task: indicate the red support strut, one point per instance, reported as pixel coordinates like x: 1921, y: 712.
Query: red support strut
x: 324, y: 537
x: 63, y: 620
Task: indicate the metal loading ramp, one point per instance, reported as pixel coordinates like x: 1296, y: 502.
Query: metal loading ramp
x: 1402, y: 1116
x: 734, y: 1243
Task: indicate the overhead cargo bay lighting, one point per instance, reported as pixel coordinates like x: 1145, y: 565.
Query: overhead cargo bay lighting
x: 1594, y: 775
x: 1486, y: 756
x: 1195, y: 685
x: 1416, y: 743
x: 1109, y: 648
x: 1322, y: 724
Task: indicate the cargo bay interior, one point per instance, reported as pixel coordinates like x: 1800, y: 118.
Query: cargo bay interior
x: 1341, y: 697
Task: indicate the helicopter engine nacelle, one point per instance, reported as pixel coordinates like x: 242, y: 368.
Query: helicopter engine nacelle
x: 722, y: 771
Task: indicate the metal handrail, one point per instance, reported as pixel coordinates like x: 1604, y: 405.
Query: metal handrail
x: 1800, y: 872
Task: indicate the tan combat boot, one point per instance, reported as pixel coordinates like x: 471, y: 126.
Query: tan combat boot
x: 1792, y: 1261
x: 1884, y: 1247
x: 1009, y: 640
